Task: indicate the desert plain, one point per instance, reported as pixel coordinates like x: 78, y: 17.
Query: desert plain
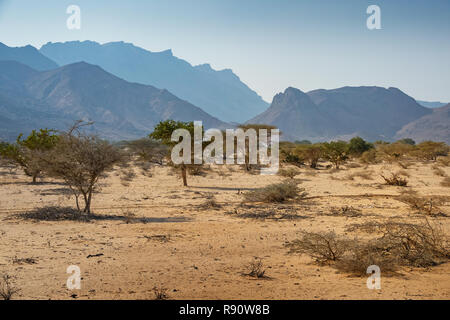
x: 151, y: 232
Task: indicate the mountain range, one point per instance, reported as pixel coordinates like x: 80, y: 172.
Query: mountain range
x: 373, y: 113
x: 35, y: 93
x: 55, y: 98
x: 219, y: 93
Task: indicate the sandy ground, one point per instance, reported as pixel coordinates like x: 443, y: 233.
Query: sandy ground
x: 199, y: 253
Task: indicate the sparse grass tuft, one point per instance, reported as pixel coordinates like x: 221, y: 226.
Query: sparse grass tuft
x: 160, y: 293
x: 256, y: 269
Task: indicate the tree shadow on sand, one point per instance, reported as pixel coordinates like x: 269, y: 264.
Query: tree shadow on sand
x: 54, y: 213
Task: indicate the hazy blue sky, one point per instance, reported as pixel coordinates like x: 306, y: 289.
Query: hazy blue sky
x: 270, y: 44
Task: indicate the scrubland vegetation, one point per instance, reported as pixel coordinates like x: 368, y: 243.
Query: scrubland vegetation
x: 343, y: 205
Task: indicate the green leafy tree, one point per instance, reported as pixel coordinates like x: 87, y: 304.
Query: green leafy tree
x: 357, y: 146
x: 29, y: 152
x: 163, y: 132
x: 336, y: 152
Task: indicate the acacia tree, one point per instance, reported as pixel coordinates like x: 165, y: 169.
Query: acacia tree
x: 163, y: 132
x: 29, y: 152
x: 81, y: 160
x: 336, y: 152
x: 148, y: 150
x: 430, y: 150
x: 311, y: 153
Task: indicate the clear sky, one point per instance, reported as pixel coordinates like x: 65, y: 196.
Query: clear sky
x: 270, y: 44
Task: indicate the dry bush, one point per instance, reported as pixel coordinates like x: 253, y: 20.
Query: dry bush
x: 423, y: 205
x: 421, y: 245
x: 369, y: 157
x: 395, y: 180
x: 445, y: 182
x: 325, y: 247
x: 360, y: 256
x: 279, y: 192
x: 416, y: 245
x: 7, y: 289
x: 160, y: 293
x: 288, y: 173
x: 256, y: 269
x: 398, y: 244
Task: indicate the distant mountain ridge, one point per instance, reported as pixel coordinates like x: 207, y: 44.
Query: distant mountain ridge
x: 431, y: 104
x: 219, y: 93
x: 434, y: 126
x: 27, y: 55
x: 120, y: 109
x: 373, y: 113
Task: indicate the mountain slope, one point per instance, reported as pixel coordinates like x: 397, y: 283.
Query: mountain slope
x: 296, y: 115
x: 435, y: 126
x: 28, y: 55
x: 220, y: 93
x: 370, y: 112
x: 120, y: 109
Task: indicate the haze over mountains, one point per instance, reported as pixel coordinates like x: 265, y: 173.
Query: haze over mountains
x: 219, y: 93
x: 121, y: 110
x: 36, y: 93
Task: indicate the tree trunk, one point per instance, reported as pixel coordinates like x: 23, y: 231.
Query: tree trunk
x: 183, y: 174
x: 88, y: 203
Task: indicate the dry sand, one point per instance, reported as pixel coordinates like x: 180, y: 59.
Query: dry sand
x: 199, y: 253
